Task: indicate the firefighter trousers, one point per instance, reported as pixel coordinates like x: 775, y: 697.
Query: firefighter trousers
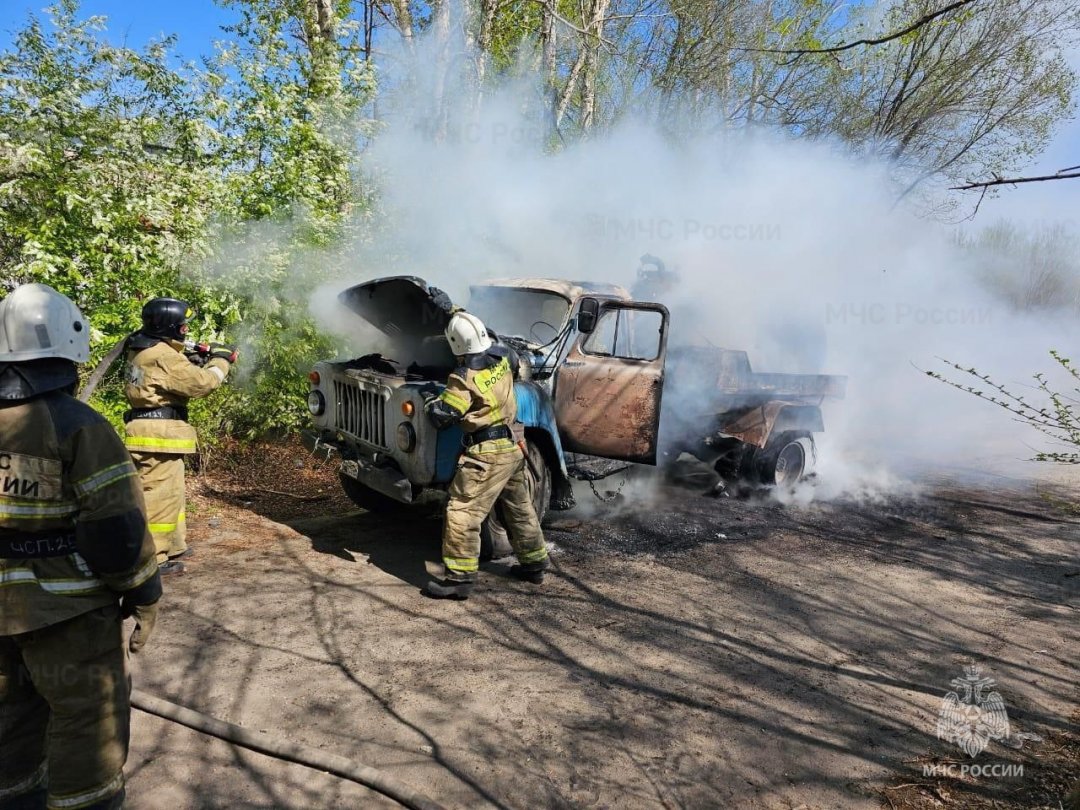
x: 65, y: 712
x: 162, y: 477
x: 483, y: 481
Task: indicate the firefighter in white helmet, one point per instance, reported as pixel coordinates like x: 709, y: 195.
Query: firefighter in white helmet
x: 479, y: 396
x: 76, y: 558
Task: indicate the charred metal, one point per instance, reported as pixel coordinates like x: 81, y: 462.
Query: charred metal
x: 597, y: 385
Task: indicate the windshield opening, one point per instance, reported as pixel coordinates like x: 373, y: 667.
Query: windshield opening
x: 531, y: 314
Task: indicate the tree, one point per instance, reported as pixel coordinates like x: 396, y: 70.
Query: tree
x: 105, y: 189
x: 1071, y: 173
x: 978, y: 94
x: 123, y: 179
x: 285, y: 98
x: 973, y: 91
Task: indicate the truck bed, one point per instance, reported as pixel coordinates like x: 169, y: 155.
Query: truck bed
x: 726, y: 375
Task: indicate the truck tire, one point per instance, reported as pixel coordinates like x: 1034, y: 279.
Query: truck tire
x: 370, y: 499
x: 538, y: 480
x: 494, y: 544
x: 785, y: 460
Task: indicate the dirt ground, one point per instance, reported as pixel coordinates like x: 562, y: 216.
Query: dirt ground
x: 686, y: 652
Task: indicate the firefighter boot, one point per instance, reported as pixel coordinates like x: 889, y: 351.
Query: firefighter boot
x: 530, y: 572
x: 449, y: 589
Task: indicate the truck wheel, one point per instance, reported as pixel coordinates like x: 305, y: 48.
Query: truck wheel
x: 494, y: 544
x: 786, y: 459
x: 538, y: 480
x: 367, y: 498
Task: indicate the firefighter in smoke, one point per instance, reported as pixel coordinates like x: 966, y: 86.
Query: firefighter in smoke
x: 75, y: 560
x: 491, y: 470
x: 163, y: 373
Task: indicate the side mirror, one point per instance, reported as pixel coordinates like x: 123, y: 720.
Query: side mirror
x: 588, y: 312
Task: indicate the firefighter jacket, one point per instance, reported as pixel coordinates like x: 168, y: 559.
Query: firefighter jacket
x: 480, y: 395
x: 158, y: 376
x: 73, y: 535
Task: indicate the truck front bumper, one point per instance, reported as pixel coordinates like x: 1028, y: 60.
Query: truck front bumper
x: 390, y: 482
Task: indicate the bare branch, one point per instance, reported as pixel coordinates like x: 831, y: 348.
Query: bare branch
x: 1064, y: 174
x: 915, y: 26
x: 585, y: 32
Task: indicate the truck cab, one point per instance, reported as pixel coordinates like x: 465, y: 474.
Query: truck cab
x: 590, y: 373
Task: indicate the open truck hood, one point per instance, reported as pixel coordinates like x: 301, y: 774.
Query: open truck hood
x: 402, y: 308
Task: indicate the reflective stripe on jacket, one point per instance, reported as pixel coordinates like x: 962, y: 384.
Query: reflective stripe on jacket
x: 65, y: 472
x: 482, y: 393
x: 161, y: 375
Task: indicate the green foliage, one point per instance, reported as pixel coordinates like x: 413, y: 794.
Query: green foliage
x: 285, y: 114
x: 123, y: 179
x: 287, y: 93
x: 104, y: 191
x: 236, y: 185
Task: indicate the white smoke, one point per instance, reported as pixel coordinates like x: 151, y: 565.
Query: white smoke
x: 792, y: 251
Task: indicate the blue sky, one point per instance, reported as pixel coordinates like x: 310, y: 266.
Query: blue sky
x: 1044, y: 203
x: 135, y: 22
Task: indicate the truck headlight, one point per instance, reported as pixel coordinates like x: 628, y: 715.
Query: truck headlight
x: 316, y: 403
x: 406, y: 437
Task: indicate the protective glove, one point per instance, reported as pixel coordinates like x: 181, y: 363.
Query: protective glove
x: 145, y: 618
x: 440, y: 414
x: 442, y: 301
x: 196, y: 353
x: 222, y: 351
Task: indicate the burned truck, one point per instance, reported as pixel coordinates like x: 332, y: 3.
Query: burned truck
x: 752, y: 427
x: 591, y: 377
x: 589, y: 380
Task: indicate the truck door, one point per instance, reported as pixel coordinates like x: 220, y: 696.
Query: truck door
x: 609, y: 386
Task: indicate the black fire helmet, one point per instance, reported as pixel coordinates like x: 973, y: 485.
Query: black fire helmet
x: 166, y: 317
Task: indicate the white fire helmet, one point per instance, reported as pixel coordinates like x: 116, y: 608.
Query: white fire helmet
x: 37, y: 322
x: 467, y: 334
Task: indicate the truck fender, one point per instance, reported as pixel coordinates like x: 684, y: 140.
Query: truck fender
x: 537, y: 413
x: 799, y: 417
x: 758, y: 424
x: 562, y: 493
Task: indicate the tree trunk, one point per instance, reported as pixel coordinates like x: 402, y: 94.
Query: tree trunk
x: 488, y: 8
x: 324, y: 19
x: 586, y: 66
x: 440, y: 17
x: 568, y: 88
x: 404, y: 21
x: 591, y: 43
x: 547, y: 50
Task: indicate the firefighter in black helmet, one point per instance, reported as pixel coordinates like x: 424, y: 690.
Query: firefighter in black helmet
x: 166, y: 318
x: 160, y: 380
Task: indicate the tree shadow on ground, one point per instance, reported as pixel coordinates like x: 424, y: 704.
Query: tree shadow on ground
x: 702, y: 654
x: 403, y: 545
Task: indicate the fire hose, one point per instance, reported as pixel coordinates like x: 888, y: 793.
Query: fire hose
x: 286, y: 751
x: 101, y: 369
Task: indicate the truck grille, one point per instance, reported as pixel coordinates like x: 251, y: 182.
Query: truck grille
x: 362, y: 412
